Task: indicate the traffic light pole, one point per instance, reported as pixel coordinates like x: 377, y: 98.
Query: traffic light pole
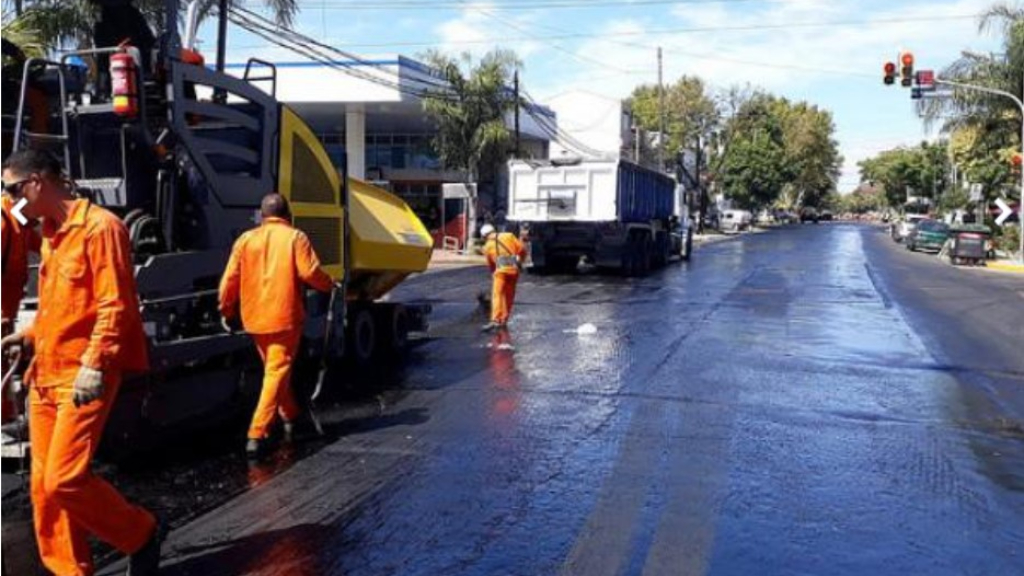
x: 1020, y: 104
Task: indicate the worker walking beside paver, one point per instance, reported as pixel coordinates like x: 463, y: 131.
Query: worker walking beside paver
x: 505, y: 255
x: 87, y: 334
x: 265, y: 277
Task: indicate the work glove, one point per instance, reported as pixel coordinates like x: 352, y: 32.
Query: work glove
x: 10, y: 343
x: 88, y: 386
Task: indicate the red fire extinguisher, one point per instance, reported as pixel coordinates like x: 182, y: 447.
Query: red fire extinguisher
x: 123, y: 76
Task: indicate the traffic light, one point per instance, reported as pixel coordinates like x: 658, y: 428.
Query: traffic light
x: 907, y: 70
x: 890, y: 73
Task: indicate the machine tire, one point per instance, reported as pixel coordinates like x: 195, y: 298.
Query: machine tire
x: 362, y: 336
x: 394, y: 336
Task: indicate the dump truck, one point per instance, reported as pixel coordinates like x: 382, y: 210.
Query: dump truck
x: 184, y: 155
x: 613, y: 213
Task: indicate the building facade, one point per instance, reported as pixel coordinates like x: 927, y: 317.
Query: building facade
x: 370, y: 113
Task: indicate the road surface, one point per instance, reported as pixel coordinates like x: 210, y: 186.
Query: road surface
x: 812, y: 400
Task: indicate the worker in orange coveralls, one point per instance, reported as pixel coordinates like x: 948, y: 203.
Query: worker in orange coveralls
x: 266, y: 274
x: 18, y: 242
x: 505, y: 255
x: 87, y: 334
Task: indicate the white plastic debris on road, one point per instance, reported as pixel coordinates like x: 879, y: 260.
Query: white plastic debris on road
x: 584, y: 330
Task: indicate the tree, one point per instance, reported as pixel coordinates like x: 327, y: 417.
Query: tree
x: 471, y: 111
x: 778, y: 152
x: 985, y: 129
x: 691, y: 114
x: 69, y: 23
x: 921, y: 171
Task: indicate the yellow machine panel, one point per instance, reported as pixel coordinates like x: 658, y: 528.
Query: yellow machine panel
x: 388, y: 242
x: 308, y: 179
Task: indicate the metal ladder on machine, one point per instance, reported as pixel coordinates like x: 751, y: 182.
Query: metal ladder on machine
x: 21, y: 135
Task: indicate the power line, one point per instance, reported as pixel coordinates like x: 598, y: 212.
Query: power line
x: 663, y: 31
x: 342, y: 5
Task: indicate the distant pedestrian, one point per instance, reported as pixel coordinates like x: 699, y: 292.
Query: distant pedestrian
x: 265, y: 277
x: 505, y: 255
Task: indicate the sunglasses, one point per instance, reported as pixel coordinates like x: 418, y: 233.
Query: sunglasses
x: 14, y: 188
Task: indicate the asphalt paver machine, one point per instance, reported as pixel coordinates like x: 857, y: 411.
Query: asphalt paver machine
x: 185, y: 153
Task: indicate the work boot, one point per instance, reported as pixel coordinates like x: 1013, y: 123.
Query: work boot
x: 288, y: 432
x: 490, y: 327
x: 256, y: 448
x: 146, y: 561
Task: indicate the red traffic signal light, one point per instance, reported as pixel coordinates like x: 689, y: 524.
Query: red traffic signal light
x: 907, y: 71
x: 890, y: 73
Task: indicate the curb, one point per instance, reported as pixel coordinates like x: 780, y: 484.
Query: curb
x: 1006, y: 267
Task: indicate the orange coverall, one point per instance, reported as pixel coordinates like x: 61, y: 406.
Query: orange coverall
x: 18, y: 241
x: 88, y: 316
x: 266, y: 273
x: 504, y: 253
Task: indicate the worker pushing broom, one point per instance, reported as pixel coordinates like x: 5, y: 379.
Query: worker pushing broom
x: 505, y: 255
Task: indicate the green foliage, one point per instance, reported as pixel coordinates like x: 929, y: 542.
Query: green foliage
x: 58, y: 24
x: 691, y: 113
x: 985, y: 129
x: 471, y: 113
x: 919, y: 171
x: 862, y: 201
x: 779, y: 152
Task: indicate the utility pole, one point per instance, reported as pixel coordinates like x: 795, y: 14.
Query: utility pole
x: 661, y: 113
x: 515, y: 82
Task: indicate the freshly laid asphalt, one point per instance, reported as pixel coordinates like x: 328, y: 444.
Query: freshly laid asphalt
x: 812, y: 400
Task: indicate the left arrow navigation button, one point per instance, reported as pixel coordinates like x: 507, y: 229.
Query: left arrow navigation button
x: 16, y: 211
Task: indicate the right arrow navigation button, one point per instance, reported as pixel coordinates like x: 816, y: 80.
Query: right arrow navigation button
x: 1005, y: 211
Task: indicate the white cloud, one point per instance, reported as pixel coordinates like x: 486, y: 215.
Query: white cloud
x: 836, y: 67
x: 475, y: 26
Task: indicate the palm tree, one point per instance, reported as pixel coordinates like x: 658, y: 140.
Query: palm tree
x: 994, y: 115
x: 61, y: 24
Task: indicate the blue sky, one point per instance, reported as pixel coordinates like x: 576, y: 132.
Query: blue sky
x: 608, y: 46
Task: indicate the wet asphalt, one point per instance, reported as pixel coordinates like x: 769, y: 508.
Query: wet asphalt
x: 811, y: 400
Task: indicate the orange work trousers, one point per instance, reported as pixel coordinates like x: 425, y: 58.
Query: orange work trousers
x: 278, y: 354
x: 69, y: 502
x: 503, y: 296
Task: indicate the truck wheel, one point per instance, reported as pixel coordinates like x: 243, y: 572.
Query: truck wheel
x: 646, y: 254
x: 362, y: 337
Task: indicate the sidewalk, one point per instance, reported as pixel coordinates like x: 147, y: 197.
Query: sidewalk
x: 443, y: 260
x: 1006, y: 266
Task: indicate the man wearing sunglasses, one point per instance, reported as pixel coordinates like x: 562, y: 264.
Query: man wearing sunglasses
x: 86, y: 335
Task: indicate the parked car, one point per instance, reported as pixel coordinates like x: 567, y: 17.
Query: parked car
x: 928, y: 234
x: 826, y: 216
x: 902, y: 228
x: 735, y: 220
x: 809, y: 215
